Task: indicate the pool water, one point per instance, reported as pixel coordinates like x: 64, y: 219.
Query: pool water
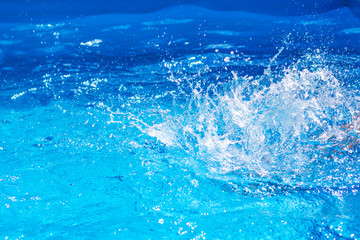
x: 184, y: 123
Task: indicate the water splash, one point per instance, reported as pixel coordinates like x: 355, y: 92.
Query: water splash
x: 286, y: 126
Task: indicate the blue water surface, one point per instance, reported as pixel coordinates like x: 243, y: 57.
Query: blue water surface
x: 184, y: 123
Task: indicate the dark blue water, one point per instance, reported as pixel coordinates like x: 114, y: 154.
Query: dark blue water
x: 181, y: 124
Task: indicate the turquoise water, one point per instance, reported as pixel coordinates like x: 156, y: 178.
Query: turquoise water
x: 181, y: 124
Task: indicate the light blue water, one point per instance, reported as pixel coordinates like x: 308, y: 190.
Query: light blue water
x: 181, y: 124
